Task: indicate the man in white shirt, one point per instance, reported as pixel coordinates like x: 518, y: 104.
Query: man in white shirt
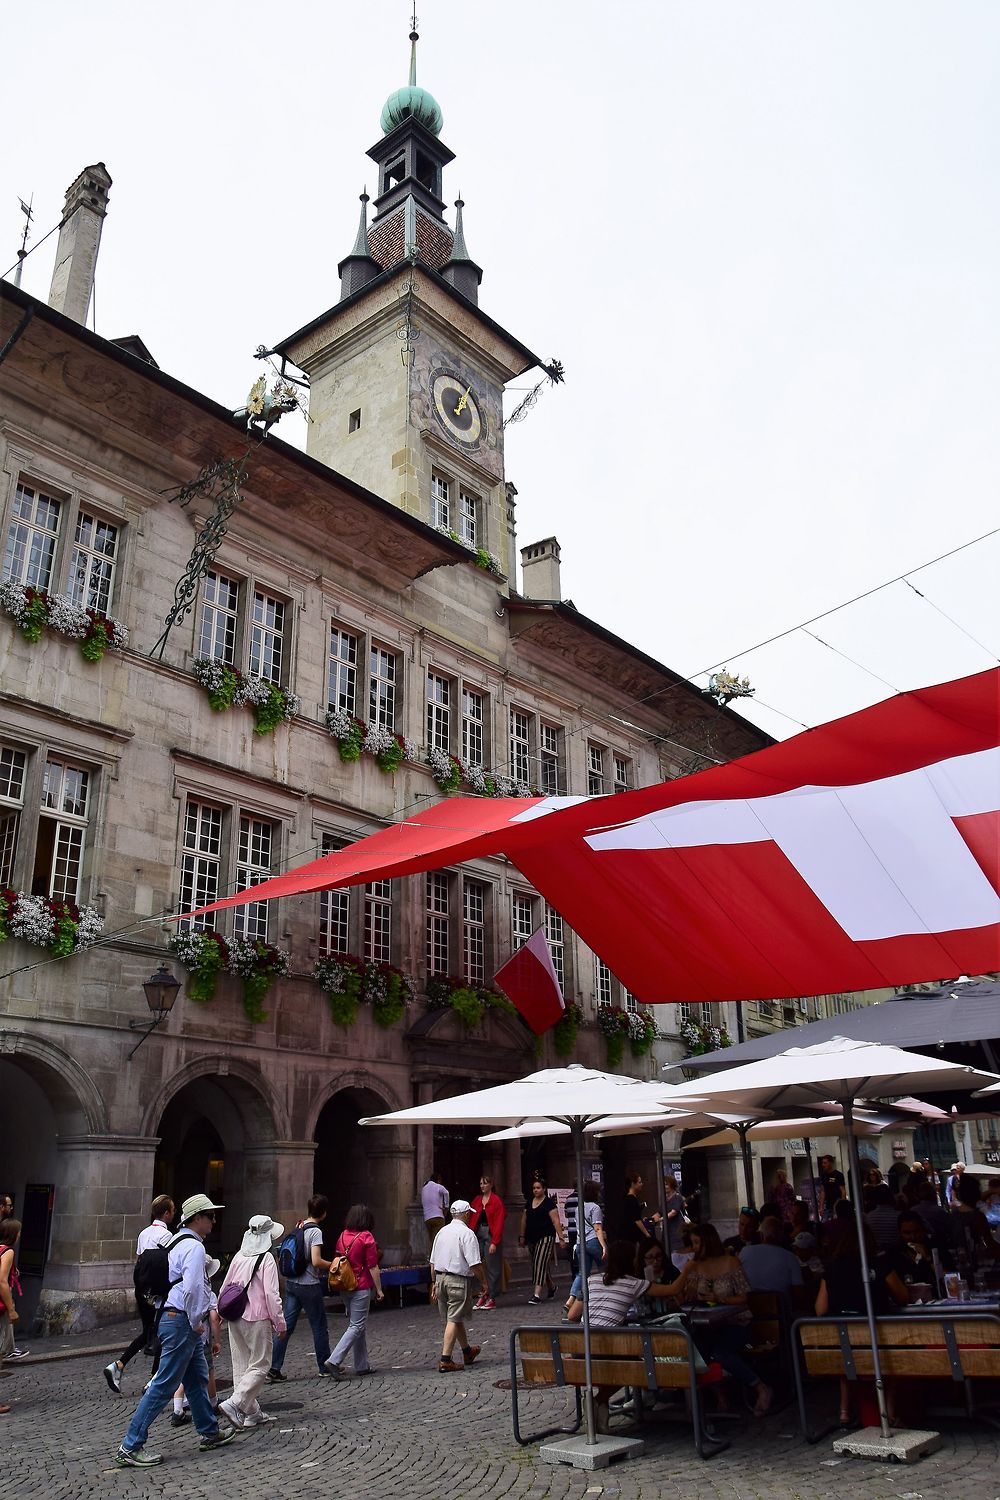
x: 157, y: 1232
x: 434, y: 1201
x: 456, y: 1264
x: 182, y: 1328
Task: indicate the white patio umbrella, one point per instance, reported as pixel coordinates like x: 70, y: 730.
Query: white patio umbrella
x: 802, y: 1126
x: 843, y: 1071
x: 574, y: 1097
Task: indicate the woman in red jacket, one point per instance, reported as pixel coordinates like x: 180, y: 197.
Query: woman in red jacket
x: 488, y: 1219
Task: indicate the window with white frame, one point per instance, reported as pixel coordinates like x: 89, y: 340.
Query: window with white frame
x: 473, y: 727
x: 382, y: 673
x: 254, y: 854
x: 440, y: 501
x: 602, y: 983
x: 62, y: 831
x: 595, y: 770
x: 555, y: 936
x: 468, y: 518
x: 201, y: 862
x: 685, y: 1012
x: 550, y: 758
x: 13, y: 770
x: 92, y: 570
x: 219, y: 622
x: 342, y: 685
x: 475, y: 895
x: 624, y: 776
x: 334, y: 910
x: 439, y: 698
x: 378, y: 921
x: 438, y: 923
x: 267, y: 633
x: 520, y: 744
x: 629, y: 1002
x: 522, y: 919
x: 31, y: 537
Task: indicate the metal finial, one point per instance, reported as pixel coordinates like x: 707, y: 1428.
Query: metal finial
x: 414, y: 39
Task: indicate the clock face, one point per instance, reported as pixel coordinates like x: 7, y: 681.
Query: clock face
x: 457, y: 408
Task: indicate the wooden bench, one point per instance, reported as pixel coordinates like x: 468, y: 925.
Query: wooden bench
x: 652, y: 1359
x: 960, y: 1347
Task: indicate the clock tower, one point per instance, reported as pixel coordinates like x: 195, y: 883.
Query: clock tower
x: 406, y: 371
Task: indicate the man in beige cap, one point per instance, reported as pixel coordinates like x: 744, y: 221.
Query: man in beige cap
x: 456, y: 1265
x: 182, y: 1326
x: 253, y: 1267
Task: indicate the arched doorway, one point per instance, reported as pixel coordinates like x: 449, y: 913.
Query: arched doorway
x: 355, y: 1164
x: 211, y: 1131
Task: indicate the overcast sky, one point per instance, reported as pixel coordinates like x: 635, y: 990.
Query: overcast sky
x: 762, y: 237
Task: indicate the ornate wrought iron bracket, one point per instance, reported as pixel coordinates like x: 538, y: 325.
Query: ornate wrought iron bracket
x: 220, y: 482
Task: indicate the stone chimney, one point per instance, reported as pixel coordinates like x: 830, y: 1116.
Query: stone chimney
x: 540, y: 570
x: 79, y: 241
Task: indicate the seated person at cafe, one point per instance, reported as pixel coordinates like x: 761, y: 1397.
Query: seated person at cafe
x: 937, y: 1219
x: 802, y: 1221
x: 769, y: 1267
x: 882, y: 1218
x: 652, y: 1266
x: 748, y: 1232
x: 834, y: 1229
x: 713, y: 1277
x: 805, y: 1248
x: 914, y: 1256
x: 841, y: 1294
x: 970, y: 1229
x: 611, y: 1292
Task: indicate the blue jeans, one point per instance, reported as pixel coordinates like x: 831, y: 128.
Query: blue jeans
x: 182, y: 1361
x: 354, y: 1336
x: 304, y: 1296
x: 592, y: 1259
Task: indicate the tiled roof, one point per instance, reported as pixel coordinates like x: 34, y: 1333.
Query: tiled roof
x: 387, y: 239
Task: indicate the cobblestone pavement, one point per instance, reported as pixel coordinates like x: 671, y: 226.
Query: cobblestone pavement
x: 408, y: 1431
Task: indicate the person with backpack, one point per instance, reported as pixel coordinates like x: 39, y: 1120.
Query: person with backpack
x: 156, y: 1233
x: 357, y: 1245
x: 182, y: 1323
x: 300, y: 1261
x: 250, y: 1302
x: 10, y: 1233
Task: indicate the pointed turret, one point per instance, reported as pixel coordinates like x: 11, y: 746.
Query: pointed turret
x: 460, y: 269
x: 358, y: 267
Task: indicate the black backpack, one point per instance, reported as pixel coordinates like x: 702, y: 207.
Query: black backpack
x: 151, y: 1276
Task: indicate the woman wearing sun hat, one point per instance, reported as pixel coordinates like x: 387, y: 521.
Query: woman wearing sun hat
x: 253, y: 1266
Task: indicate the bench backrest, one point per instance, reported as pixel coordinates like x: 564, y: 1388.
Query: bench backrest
x: 654, y: 1358
x: 923, y: 1347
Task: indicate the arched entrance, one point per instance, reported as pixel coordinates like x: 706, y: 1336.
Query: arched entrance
x: 357, y: 1164
x: 217, y: 1136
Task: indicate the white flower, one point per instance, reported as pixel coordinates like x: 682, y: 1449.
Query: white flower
x: 118, y: 631
x: 244, y: 960
x: 522, y: 789
x: 442, y: 766
x: 377, y: 740
x: 68, y: 618
x: 251, y: 690
x: 186, y: 948
x: 88, y: 928
x: 208, y: 672
x: 503, y: 786
x: 33, y: 921
x: 292, y: 704
x: 410, y: 750
x: 339, y: 723
x: 475, y: 776
x: 332, y: 975
x: 13, y: 600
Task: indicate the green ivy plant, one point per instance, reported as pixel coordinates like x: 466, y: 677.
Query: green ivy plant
x: 469, y: 1002
x: 205, y: 956
x: 564, y: 1032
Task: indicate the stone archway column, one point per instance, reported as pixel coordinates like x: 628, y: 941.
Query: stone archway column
x: 423, y: 1159
x: 103, y: 1188
x: 278, y: 1180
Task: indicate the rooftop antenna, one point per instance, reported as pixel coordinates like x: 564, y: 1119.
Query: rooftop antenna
x: 414, y: 38
x: 23, y: 252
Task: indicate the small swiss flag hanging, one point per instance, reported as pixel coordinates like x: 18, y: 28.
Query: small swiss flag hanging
x: 530, y: 981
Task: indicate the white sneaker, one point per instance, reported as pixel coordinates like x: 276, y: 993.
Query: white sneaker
x: 232, y: 1414
x: 264, y: 1416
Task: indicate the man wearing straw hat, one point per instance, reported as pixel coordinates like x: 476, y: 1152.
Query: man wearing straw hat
x: 182, y: 1327
x: 253, y: 1266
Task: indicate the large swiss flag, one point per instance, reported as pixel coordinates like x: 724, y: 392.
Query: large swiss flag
x: 860, y: 854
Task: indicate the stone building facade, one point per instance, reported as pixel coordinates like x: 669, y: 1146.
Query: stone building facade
x: 373, y: 574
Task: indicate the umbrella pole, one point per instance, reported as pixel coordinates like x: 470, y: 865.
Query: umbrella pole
x: 807, y: 1142
x: 576, y: 1127
x: 657, y: 1134
x: 854, y: 1166
x: 742, y: 1129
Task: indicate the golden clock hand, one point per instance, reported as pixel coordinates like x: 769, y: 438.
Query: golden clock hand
x: 463, y: 403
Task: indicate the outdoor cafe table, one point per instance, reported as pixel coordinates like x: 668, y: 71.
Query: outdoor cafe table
x: 951, y: 1307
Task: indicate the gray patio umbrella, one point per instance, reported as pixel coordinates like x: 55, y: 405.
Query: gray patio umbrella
x: 575, y: 1097
x: 844, y: 1071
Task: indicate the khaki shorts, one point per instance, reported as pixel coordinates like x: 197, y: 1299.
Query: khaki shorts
x: 454, y: 1297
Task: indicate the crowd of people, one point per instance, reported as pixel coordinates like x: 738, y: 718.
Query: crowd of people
x: 643, y: 1263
